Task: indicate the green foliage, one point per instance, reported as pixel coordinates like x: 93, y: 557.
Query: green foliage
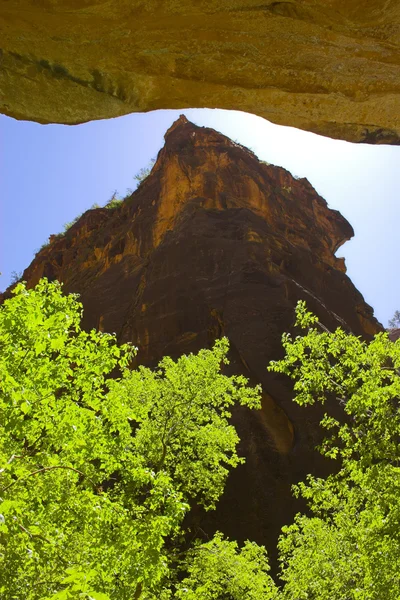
x: 66, y: 227
x: 70, y: 223
x: 128, y: 193
x: 43, y: 246
x: 97, y: 473
x: 394, y: 323
x: 113, y: 202
x: 100, y: 464
x: 217, y: 570
x: 350, y: 545
x: 15, y: 277
x: 184, y: 410
x: 144, y: 172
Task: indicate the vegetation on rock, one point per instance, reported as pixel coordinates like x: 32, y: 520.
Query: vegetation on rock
x: 15, y: 277
x: 113, y: 202
x: 394, y: 323
x: 144, y: 172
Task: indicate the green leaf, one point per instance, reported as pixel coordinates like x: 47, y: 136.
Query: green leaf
x: 98, y: 472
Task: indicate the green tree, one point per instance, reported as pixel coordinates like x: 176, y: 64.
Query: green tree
x: 219, y: 570
x: 98, y: 472
x: 114, y: 201
x: 68, y: 225
x: 15, y: 277
x: 349, y: 547
x: 144, y: 172
x: 395, y: 321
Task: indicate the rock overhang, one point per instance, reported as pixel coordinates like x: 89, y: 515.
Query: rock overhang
x: 332, y: 68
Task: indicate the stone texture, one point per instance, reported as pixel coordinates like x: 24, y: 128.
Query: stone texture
x: 328, y: 66
x: 215, y: 242
x: 394, y: 334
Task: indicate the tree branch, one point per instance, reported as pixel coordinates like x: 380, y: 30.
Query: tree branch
x: 43, y: 470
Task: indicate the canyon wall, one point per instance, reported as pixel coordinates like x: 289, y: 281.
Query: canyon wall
x: 215, y: 242
x: 328, y: 66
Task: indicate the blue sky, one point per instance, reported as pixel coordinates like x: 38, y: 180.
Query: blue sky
x: 51, y: 173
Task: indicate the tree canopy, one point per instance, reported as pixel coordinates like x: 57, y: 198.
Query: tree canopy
x: 100, y: 464
x: 349, y: 547
x: 98, y: 472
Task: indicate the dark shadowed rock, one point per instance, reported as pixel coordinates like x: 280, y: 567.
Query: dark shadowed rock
x: 214, y: 242
x: 394, y: 334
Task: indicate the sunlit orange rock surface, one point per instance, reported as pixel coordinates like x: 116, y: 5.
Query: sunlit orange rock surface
x: 215, y: 242
x: 329, y: 66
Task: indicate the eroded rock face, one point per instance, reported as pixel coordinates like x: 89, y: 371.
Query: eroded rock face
x: 214, y: 243
x: 328, y: 66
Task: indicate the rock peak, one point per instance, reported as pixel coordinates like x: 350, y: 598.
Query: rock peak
x: 181, y: 120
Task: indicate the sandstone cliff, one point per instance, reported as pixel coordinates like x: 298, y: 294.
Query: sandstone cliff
x: 329, y: 66
x: 215, y: 242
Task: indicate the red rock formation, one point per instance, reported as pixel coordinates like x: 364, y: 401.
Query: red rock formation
x: 215, y: 242
x: 394, y: 334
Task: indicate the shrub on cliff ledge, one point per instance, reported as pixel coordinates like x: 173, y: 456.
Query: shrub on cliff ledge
x: 394, y: 323
x: 144, y: 172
